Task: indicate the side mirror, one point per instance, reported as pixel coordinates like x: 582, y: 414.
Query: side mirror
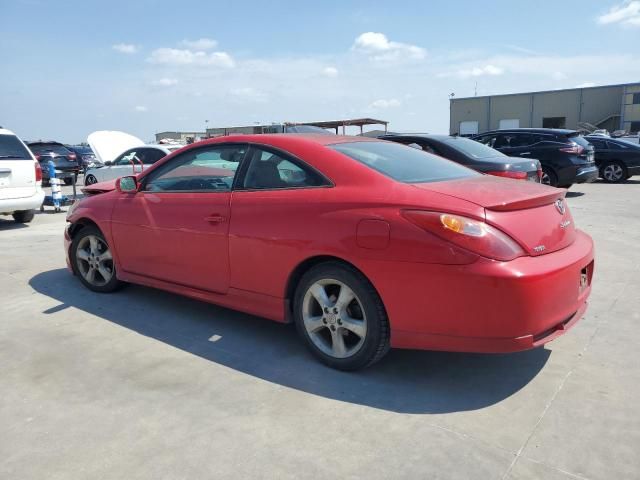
x: 108, y: 163
x: 127, y: 184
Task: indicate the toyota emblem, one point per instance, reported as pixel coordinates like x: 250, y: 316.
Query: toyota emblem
x: 560, y: 206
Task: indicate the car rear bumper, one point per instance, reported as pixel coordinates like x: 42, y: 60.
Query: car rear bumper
x: 26, y: 203
x: 587, y: 174
x: 487, y: 306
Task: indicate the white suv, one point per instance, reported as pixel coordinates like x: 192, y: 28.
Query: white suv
x: 20, y: 179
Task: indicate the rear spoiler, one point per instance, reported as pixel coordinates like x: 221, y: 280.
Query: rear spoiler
x: 538, y: 201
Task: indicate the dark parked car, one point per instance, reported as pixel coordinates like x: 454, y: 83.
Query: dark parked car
x: 565, y: 155
x: 473, y: 155
x: 85, y: 155
x: 64, y: 159
x: 617, y: 160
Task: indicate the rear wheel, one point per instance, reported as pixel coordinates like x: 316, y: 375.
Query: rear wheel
x: 340, y: 316
x: 90, y: 180
x: 613, y: 172
x: 23, y: 216
x: 71, y: 181
x: 549, y: 177
x: 92, y: 261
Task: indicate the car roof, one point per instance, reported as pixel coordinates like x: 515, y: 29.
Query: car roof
x: 5, y: 131
x: 440, y: 137
x: 560, y: 131
x: 276, y: 139
x: 45, y: 142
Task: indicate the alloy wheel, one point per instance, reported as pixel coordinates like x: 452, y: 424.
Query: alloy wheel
x: 613, y: 172
x: 334, y: 318
x: 94, y: 260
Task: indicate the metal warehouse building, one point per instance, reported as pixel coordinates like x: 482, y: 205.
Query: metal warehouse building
x: 614, y: 107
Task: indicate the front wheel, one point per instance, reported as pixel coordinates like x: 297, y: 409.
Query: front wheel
x: 92, y: 261
x: 90, y: 179
x: 341, y: 317
x: 613, y: 172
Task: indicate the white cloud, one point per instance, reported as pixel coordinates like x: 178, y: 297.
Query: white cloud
x: 627, y: 13
x: 331, y: 72
x: 384, y: 103
x: 481, y: 71
x: 586, y: 85
x: 175, y: 56
x: 127, y: 48
x: 249, y: 94
x: 164, y: 82
x: 379, y: 48
x: 200, y: 44
x: 140, y: 108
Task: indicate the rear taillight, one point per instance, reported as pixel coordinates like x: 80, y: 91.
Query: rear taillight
x: 38, y: 172
x: 574, y: 149
x: 474, y: 235
x: 509, y: 174
x: 37, y: 155
x: 71, y: 156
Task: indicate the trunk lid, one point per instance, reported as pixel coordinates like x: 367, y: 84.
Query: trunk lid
x: 535, y: 215
x: 107, y: 144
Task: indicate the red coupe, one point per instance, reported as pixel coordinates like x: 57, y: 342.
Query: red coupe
x: 364, y: 244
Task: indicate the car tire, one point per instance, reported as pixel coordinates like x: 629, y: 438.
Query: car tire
x: 23, y: 216
x: 46, y: 182
x: 95, y: 266
x: 613, y: 172
x: 549, y: 177
x: 71, y: 181
x: 90, y: 180
x: 340, y: 317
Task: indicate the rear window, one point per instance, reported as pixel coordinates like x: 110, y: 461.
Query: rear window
x: 12, y: 148
x: 472, y: 148
x: 49, y: 147
x: 402, y: 163
x: 580, y: 140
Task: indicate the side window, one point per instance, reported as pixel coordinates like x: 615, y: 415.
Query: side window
x: 210, y: 169
x: 597, y: 143
x: 500, y: 141
x: 125, y: 159
x: 269, y: 170
x: 615, y: 146
x: 488, y: 140
x: 150, y: 156
x: 520, y: 140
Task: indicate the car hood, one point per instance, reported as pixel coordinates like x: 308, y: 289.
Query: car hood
x: 107, y: 144
x: 102, y: 187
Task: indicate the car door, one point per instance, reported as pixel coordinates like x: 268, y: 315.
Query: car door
x: 270, y: 206
x: 175, y: 228
x: 602, y: 151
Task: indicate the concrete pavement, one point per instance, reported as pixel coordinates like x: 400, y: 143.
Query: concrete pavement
x: 146, y: 384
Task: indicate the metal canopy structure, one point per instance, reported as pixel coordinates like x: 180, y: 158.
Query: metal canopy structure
x: 336, y: 124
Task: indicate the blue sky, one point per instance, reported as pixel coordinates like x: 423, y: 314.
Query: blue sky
x: 72, y: 67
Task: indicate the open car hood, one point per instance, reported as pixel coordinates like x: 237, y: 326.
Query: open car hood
x: 102, y: 187
x: 107, y: 144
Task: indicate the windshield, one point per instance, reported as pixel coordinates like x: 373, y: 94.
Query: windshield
x: 580, y: 140
x: 472, y: 148
x: 49, y: 147
x: 402, y: 163
x: 11, y: 147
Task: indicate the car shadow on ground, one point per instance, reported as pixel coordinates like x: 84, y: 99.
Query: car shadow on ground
x: 404, y: 381
x: 9, y: 223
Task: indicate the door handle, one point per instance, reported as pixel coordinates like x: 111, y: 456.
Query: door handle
x: 215, y: 218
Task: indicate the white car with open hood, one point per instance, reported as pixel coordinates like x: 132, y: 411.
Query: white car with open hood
x: 122, y: 154
x: 20, y: 179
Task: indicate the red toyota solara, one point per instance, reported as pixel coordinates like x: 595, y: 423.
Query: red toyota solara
x: 364, y: 244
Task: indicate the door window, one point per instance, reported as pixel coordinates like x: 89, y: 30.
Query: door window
x: 489, y: 140
x: 126, y: 159
x: 519, y: 140
x: 210, y: 169
x: 615, y: 146
x: 268, y: 170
